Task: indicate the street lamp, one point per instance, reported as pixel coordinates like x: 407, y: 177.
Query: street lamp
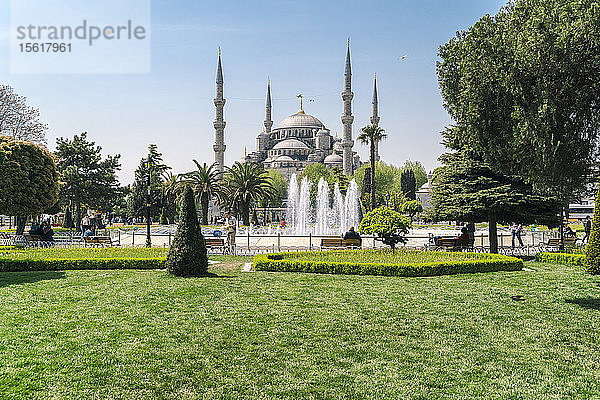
x: 148, y: 201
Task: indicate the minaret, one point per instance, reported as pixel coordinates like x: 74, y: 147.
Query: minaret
x: 219, y: 123
x: 268, y: 120
x: 375, y: 116
x: 347, y: 118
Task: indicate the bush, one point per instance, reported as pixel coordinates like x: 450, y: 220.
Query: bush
x: 290, y: 262
x: 59, y: 264
x: 187, y: 255
x: 561, y: 258
x: 386, y: 225
x: 592, y: 252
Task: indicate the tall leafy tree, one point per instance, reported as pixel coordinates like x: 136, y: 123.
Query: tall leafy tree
x: 372, y: 135
x: 28, y: 180
x: 18, y: 119
x: 279, y: 189
x: 244, y: 185
x: 408, y: 184
x: 467, y: 189
x: 170, y: 190
x: 88, y: 179
x: 418, y: 171
x: 152, y: 164
x: 523, y: 89
x: 205, y: 181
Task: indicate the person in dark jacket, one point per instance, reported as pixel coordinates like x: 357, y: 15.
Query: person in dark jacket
x: 352, y: 234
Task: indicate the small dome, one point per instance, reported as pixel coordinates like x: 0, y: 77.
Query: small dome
x: 301, y: 120
x: 322, y: 132
x: 290, y: 144
x: 284, y: 158
x: 333, y: 159
x: 337, y: 146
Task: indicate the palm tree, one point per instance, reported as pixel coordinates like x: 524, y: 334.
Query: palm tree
x: 372, y: 135
x: 246, y: 184
x: 205, y: 181
x: 170, y: 190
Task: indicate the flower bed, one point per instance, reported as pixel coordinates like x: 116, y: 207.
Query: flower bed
x: 13, y: 260
x: 388, y: 263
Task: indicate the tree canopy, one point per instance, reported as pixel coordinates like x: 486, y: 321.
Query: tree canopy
x: 88, y: 180
x: 28, y: 179
x: 18, y: 119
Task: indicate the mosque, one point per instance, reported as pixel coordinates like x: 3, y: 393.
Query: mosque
x: 300, y: 139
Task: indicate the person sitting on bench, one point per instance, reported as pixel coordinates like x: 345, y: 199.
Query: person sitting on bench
x: 352, y: 234
x: 464, y: 239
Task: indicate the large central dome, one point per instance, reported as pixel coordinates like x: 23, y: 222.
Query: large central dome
x: 301, y: 120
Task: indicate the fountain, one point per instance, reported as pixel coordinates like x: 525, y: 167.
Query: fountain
x: 324, y: 220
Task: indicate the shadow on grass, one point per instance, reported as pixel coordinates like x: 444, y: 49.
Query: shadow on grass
x: 19, y: 278
x: 591, y: 303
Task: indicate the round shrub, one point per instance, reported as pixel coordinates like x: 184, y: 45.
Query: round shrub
x: 388, y: 226
x: 187, y: 255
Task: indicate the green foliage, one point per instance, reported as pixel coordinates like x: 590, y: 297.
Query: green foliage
x: 408, y: 184
x: 522, y: 89
x: 385, y: 177
x: 245, y: 185
x: 57, y: 264
x: 395, y: 200
x: 206, y: 182
x: 592, y: 251
x: 187, y: 255
x: 279, y: 189
x: 386, y: 225
x: 372, y: 135
x: 310, y: 262
x: 68, y: 219
x: 169, y: 189
x: 136, y: 202
x: 411, y: 208
x: 418, y: 171
x: 28, y: 178
x: 561, y: 258
x: 315, y: 171
x: 88, y: 180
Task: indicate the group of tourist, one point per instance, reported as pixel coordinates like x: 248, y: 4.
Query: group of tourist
x: 43, y: 230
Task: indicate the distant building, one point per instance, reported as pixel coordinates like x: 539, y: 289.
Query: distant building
x: 424, y: 193
x: 300, y: 139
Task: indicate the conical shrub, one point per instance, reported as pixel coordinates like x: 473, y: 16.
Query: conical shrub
x: 592, y: 251
x: 187, y: 255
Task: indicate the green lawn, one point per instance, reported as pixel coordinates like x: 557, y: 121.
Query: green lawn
x: 146, y: 335
x: 399, y: 256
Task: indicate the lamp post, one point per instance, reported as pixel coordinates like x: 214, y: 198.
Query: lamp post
x: 148, y: 202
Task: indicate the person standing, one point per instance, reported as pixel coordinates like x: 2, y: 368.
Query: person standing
x: 231, y: 226
x: 515, y: 232
x: 587, y: 227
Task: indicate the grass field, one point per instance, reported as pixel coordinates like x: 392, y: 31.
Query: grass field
x: 88, y: 252
x: 147, y: 335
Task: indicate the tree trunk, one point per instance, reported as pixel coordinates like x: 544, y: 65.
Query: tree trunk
x: 20, y: 225
x: 78, y: 216
x: 561, y: 230
x: 204, y: 205
x: 246, y: 213
x: 373, y: 204
x: 493, y: 232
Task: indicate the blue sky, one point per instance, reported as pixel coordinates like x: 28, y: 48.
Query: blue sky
x: 300, y: 45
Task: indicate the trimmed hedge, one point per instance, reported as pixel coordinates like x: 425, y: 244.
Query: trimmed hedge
x: 59, y: 264
x: 561, y: 258
x: 277, y: 262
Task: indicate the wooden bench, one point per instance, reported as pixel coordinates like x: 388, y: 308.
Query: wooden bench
x: 555, y: 242
x: 104, y: 241
x: 454, y: 243
x: 215, y: 243
x: 340, y: 243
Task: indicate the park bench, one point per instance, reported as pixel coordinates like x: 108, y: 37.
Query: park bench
x: 555, y: 242
x: 452, y: 244
x: 215, y: 243
x: 103, y: 241
x: 340, y: 243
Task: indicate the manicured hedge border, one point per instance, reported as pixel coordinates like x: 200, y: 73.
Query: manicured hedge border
x: 59, y: 264
x: 277, y: 262
x: 561, y: 258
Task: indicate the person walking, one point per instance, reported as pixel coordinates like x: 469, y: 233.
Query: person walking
x: 231, y: 226
x: 515, y: 232
x: 587, y: 227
